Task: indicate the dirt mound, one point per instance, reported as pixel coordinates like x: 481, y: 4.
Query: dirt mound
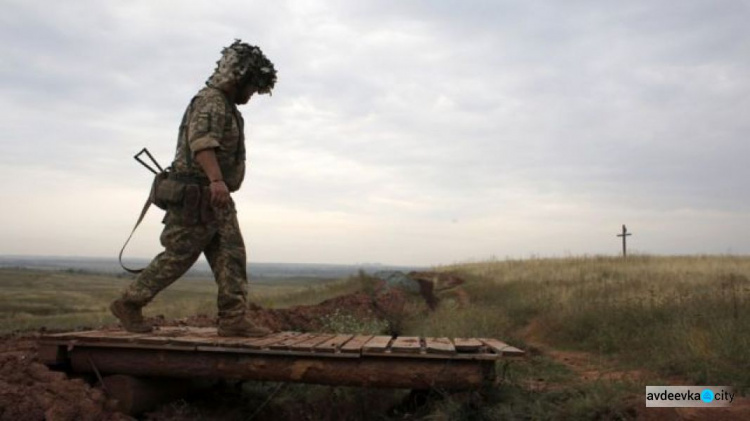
x: 30, y: 391
x: 387, y: 305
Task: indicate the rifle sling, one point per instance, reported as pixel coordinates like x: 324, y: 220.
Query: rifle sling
x: 140, y: 219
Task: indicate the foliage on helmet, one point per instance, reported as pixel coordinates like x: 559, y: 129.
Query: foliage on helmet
x: 241, y: 64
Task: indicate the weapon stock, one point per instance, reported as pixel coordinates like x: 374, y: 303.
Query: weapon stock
x: 153, y: 161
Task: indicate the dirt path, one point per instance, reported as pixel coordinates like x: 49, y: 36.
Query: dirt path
x: 589, y: 367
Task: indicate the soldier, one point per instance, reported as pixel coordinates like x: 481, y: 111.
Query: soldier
x: 209, y: 164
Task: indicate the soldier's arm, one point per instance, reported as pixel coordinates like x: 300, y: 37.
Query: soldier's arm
x: 206, y: 158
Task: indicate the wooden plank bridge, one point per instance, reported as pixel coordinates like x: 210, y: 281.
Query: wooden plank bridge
x: 319, y: 358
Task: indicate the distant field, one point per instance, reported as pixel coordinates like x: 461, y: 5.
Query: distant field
x: 31, y: 299
x: 256, y: 270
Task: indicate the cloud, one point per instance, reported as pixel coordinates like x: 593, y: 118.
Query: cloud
x: 398, y: 119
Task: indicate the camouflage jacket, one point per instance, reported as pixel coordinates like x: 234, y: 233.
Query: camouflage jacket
x: 212, y: 121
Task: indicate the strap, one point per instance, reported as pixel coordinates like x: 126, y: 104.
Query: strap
x: 140, y: 219
x: 183, y: 135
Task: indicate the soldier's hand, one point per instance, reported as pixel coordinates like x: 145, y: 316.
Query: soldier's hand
x: 219, y: 194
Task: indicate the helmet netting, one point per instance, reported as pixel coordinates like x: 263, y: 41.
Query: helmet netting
x: 240, y: 64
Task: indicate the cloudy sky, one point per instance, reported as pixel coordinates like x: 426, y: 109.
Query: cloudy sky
x: 402, y: 132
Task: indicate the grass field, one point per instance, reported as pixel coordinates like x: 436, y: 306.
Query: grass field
x: 687, y: 316
x: 32, y: 299
x: 684, y: 320
x: 670, y: 320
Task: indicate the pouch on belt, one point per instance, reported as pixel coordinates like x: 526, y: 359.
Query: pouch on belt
x: 166, y: 192
x: 191, y: 209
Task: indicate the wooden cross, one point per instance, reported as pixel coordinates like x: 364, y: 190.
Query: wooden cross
x: 624, y: 235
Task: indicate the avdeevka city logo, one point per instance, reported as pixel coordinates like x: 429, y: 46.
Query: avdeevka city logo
x: 689, y: 396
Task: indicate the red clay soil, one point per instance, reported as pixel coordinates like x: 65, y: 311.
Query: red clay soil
x: 31, y: 391
x: 384, y: 304
x: 387, y: 306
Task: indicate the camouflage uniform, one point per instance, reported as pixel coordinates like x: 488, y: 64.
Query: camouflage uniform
x: 211, y: 121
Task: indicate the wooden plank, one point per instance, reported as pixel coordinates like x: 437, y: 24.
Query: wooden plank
x: 443, y: 357
x: 272, y: 352
x: 287, y: 343
x: 354, y: 345
x: 93, y: 334
x: 266, y: 341
x: 187, y: 337
x: 376, y: 344
x: 130, y: 345
x: 66, y: 335
x: 407, y: 345
x: 151, y: 340
x: 169, y: 331
x: 467, y: 344
x: 237, y: 341
x: 333, y: 344
x: 310, y: 343
x: 209, y: 341
x: 321, y: 368
x: 118, y: 336
x: 502, y: 348
x: 178, y: 331
x: 190, y: 340
x: 439, y: 346
x: 166, y: 336
x: 198, y: 331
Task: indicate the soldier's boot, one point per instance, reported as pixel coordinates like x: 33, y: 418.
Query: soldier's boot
x: 241, y: 326
x: 130, y: 316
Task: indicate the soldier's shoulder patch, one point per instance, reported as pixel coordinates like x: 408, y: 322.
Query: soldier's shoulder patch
x: 203, y: 122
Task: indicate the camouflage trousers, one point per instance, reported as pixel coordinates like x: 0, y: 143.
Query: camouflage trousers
x: 221, y: 242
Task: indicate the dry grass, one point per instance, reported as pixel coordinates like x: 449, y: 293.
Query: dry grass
x: 31, y: 299
x: 682, y: 316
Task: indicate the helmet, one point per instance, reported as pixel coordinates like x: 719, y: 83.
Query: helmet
x: 242, y: 64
